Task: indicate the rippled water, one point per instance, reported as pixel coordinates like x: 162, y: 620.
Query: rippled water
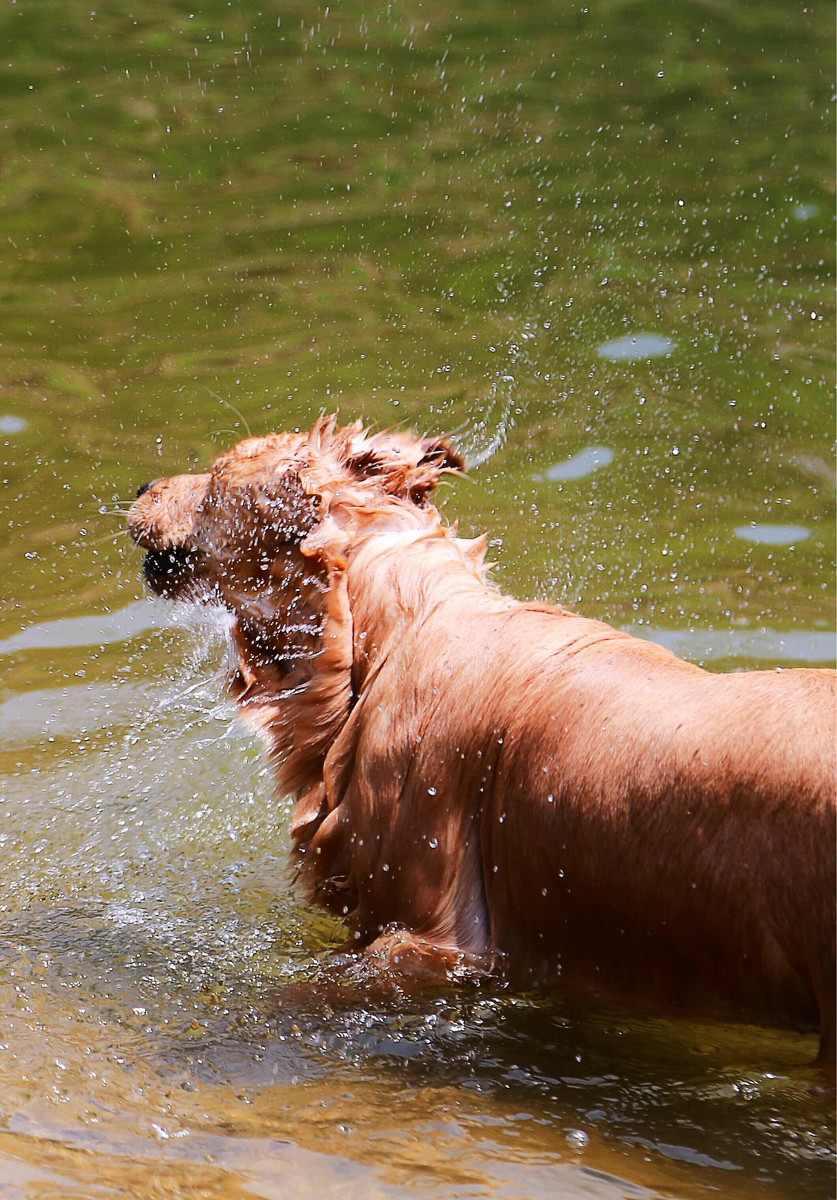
x: 597, y: 242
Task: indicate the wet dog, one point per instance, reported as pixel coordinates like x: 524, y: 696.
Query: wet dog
x: 490, y: 783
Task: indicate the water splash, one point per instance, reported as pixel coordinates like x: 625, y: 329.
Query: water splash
x: 489, y: 433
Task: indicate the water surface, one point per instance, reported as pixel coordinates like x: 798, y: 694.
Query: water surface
x: 635, y: 346
x: 417, y: 213
x: 772, y: 535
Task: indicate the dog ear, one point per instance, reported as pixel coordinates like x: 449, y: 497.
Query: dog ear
x: 286, y: 507
x: 440, y: 451
x: 402, y: 464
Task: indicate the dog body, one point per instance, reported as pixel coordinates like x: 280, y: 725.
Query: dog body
x: 495, y: 778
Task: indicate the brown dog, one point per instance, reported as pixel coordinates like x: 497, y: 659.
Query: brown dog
x: 483, y: 780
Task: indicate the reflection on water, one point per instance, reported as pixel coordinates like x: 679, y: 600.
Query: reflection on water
x: 634, y: 347
x: 12, y: 424
x: 802, y: 647
x: 579, y: 465
x: 96, y: 629
x: 773, y: 535
x: 558, y: 232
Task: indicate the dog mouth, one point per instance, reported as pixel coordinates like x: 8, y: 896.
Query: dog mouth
x: 169, y: 573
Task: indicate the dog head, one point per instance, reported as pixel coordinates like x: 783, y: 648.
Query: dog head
x: 260, y: 532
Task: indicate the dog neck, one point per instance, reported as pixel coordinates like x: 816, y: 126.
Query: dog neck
x: 396, y: 580
x: 371, y: 585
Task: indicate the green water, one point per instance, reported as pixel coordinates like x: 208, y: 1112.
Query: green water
x: 458, y: 218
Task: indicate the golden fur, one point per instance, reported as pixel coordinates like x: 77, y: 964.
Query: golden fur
x: 491, y: 782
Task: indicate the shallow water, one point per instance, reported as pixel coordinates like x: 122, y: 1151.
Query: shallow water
x: 422, y: 213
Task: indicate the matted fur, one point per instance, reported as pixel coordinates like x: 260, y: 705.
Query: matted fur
x: 483, y: 780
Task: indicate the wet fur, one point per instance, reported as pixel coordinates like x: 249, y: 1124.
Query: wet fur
x: 484, y: 782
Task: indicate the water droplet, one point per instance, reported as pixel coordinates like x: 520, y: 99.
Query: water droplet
x: 577, y: 1138
x: 431, y: 791
x: 433, y: 843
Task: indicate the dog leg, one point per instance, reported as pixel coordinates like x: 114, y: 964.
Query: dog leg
x: 411, y: 962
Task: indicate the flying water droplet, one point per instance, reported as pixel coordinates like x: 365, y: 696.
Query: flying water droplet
x: 577, y: 1138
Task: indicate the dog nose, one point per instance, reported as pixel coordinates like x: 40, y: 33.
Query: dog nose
x: 143, y: 488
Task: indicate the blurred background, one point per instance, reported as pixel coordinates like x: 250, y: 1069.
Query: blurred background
x: 592, y: 241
